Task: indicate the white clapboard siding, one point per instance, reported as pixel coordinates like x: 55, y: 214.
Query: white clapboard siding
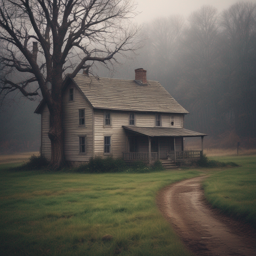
x: 72, y: 129
x: 145, y: 119
x: 115, y: 130
x: 45, y: 143
x: 177, y: 121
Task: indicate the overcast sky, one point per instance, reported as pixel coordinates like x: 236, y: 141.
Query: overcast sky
x: 151, y: 9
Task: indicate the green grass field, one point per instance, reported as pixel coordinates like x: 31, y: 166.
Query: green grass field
x: 58, y: 213
x: 69, y: 214
x: 234, y: 190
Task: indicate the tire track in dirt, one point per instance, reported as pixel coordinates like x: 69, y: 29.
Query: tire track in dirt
x: 204, y: 231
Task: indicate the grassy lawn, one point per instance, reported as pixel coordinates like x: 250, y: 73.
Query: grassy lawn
x: 46, y: 213
x: 234, y: 190
x: 70, y: 213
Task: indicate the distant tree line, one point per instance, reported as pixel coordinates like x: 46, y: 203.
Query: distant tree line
x: 208, y: 63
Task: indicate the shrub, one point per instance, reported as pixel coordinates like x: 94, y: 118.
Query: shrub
x: 110, y: 165
x: 203, y: 161
x: 35, y: 163
x: 100, y: 165
x: 157, y: 166
x: 137, y: 165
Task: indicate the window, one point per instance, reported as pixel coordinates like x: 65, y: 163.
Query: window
x: 82, y: 144
x: 71, y: 94
x: 158, y: 120
x: 107, y: 144
x: 132, y: 120
x: 81, y: 117
x: 107, y: 118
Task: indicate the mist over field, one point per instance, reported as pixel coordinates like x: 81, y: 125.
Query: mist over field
x: 206, y: 59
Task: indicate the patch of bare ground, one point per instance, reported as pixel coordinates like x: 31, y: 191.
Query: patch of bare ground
x: 16, y: 158
x: 204, y: 230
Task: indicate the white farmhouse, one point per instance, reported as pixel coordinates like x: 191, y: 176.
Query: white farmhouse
x: 130, y: 119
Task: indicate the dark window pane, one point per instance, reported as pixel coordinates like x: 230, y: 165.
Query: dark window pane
x: 82, y: 144
x: 132, y: 119
x: 107, y: 119
x: 158, y: 120
x: 107, y: 144
x: 81, y: 117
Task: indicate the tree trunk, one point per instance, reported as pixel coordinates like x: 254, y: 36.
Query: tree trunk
x: 56, y: 135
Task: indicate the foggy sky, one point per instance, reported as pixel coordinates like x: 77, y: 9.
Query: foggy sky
x: 151, y: 9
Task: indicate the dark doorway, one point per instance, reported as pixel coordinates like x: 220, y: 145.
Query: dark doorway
x: 154, y: 145
x: 133, y: 141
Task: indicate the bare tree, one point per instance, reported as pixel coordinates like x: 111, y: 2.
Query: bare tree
x: 40, y: 38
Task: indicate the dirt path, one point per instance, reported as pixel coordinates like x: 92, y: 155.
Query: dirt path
x: 203, y: 230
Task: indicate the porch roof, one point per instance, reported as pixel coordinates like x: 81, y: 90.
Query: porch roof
x: 163, y: 131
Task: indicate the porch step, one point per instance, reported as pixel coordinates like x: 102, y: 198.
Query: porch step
x: 167, y: 164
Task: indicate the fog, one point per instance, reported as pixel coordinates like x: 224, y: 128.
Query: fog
x: 208, y: 68
x: 150, y: 10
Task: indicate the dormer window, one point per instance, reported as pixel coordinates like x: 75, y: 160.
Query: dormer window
x: 132, y: 119
x: 107, y: 118
x: 158, y: 119
x: 71, y: 94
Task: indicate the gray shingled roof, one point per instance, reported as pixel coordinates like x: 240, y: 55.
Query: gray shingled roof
x: 127, y: 95
x: 163, y: 131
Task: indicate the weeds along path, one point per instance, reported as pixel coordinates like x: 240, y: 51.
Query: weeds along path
x: 203, y: 230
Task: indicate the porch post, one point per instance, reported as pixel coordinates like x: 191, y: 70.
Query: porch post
x: 149, y: 150
x: 174, y: 147
x: 202, y: 144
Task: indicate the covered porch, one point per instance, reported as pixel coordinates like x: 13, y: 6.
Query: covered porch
x: 149, y: 144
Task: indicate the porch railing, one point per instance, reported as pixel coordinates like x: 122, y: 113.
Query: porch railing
x: 183, y: 155
x: 139, y: 156
x: 180, y: 155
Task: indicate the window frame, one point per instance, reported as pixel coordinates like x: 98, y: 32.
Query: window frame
x: 131, y: 119
x: 71, y: 99
x: 158, y: 120
x: 82, y: 144
x: 81, y: 119
x: 105, y: 118
x: 107, y: 145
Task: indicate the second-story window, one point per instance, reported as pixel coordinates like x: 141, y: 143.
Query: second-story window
x: 107, y: 118
x: 132, y: 119
x: 158, y: 119
x: 81, y: 117
x: 71, y: 94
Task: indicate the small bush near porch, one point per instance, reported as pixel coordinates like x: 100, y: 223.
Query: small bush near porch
x: 44, y: 213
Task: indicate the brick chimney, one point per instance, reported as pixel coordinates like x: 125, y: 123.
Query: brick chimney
x: 141, y: 75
